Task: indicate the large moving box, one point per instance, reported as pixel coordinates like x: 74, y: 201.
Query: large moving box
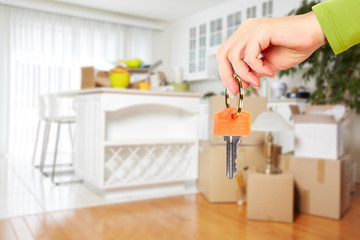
x: 270, y: 197
x: 322, y: 187
x: 214, y: 184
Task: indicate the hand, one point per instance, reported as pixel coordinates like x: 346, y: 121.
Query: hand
x: 283, y: 43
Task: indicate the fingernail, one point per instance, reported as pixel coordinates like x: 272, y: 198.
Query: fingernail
x: 231, y: 92
x: 256, y: 87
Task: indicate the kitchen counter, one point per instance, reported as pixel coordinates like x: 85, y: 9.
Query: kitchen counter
x: 126, y: 91
x: 133, y: 141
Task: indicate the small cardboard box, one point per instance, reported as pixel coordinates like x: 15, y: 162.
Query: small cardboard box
x: 270, y: 197
x: 212, y: 181
x: 322, y: 187
x: 90, y: 78
x: 254, y: 105
x: 318, y: 136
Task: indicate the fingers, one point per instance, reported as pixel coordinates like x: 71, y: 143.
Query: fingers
x: 231, y: 60
x: 245, y: 73
x: 227, y: 74
x: 253, y: 50
x: 228, y: 65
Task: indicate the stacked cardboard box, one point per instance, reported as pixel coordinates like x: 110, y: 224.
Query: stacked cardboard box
x: 212, y: 182
x: 322, y: 187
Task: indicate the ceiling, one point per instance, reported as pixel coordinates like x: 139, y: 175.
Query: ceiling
x: 163, y: 10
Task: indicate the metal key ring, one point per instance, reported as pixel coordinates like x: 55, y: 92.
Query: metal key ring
x: 241, y: 98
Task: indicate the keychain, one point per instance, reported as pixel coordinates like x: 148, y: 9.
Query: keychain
x: 232, y: 123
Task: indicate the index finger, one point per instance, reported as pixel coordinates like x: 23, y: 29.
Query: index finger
x: 226, y: 72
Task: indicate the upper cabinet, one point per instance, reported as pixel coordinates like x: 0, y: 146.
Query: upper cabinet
x: 233, y: 23
x: 267, y: 9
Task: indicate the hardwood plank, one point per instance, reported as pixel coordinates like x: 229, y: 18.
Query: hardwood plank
x: 87, y: 231
x: 43, y: 227
x: 6, y: 230
x: 185, y: 217
x: 67, y: 227
x: 21, y: 229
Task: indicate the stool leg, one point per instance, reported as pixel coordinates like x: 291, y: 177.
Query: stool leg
x: 72, y: 144
x: 36, y: 142
x: 45, y: 143
x: 71, y: 136
x: 55, y: 154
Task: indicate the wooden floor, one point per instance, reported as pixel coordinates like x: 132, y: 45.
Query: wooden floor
x: 183, y: 217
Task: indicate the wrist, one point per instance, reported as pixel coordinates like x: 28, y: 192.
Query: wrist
x: 318, y: 33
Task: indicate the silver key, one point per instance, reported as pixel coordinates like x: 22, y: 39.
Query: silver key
x: 231, y: 154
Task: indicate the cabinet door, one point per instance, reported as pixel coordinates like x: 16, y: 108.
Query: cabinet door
x: 197, y: 67
x: 192, y: 50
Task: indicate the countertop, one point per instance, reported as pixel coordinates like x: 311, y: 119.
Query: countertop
x: 126, y: 91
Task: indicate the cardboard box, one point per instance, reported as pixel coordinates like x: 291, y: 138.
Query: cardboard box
x: 270, y: 197
x: 318, y: 136
x: 322, y: 187
x: 90, y: 78
x: 212, y: 181
x: 255, y: 105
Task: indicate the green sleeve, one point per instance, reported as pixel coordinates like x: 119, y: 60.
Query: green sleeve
x: 340, y: 21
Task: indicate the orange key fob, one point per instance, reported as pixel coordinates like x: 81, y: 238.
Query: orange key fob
x: 228, y: 125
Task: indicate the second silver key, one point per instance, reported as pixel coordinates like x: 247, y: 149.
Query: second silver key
x: 231, y: 154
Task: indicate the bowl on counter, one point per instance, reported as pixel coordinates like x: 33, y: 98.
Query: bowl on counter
x: 144, y: 85
x: 181, y: 86
x: 133, y: 63
x: 120, y: 78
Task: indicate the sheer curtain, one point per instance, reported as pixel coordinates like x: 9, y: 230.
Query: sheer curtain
x: 43, y: 53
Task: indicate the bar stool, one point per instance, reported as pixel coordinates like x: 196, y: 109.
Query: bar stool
x: 53, y: 110
x: 42, y: 118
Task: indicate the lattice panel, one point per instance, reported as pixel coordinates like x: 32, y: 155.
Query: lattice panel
x: 146, y: 164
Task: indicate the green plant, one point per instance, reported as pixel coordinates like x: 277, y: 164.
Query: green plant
x: 249, y: 90
x: 337, y: 76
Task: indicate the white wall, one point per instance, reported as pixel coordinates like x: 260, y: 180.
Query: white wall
x: 4, y: 69
x: 161, y: 43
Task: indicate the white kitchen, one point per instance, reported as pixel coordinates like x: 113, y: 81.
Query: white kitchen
x: 108, y: 131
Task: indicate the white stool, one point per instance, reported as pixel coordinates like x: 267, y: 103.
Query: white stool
x: 42, y: 118
x: 52, y: 111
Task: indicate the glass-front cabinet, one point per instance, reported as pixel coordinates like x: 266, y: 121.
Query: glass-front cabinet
x: 198, y: 52
x: 206, y: 36
x: 192, y: 50
x: 233, y: 23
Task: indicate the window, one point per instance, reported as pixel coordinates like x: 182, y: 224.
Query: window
x: 267, y: 9
x: 251, y: 12
x: 192, y: 50
x: 233, y: 22
x: 45, y: 54
x: 215, y: 32
x: 202, y: 47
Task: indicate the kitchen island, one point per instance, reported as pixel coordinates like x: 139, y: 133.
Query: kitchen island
x: 136, y: 142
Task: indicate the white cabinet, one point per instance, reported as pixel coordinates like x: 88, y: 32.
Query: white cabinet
x: 200, y: 66
x: 128, y: 140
